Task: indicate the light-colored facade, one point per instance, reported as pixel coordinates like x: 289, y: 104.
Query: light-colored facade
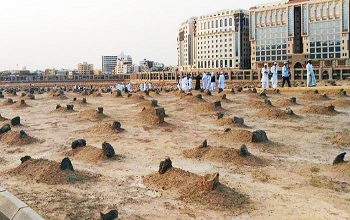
x: 222, y: 40
x: 186, y: 46
x: 62, y: 72
x: 297, y: 30
x: 108, y: 64
x: 85, y: 68
x: 124, y: 64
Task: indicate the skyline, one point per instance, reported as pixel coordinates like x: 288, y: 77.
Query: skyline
x: 41, y: 34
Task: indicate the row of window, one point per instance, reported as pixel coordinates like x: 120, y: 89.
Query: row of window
x: 222, y: 63
x: 271, y: 58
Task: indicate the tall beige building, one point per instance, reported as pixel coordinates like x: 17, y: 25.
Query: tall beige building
x: 186, y: 44
x: 85, y: 68
x: 222, y: 40
x: 296, y: 30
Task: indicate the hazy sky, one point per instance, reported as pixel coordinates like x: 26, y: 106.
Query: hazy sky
x: 42, y: 34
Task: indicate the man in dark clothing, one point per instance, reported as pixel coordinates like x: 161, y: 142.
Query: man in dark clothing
x: 198, y: 82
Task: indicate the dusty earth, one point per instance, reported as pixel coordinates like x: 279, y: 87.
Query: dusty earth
x: 288, y: 177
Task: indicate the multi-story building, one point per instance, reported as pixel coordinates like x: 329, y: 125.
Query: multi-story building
x: 186, y: 44
x: 108, y: 64
x: 222, y: 40
x: 297, y: 30
x: 124, y: 64
x: 62, y: 72
x: 85, y: 68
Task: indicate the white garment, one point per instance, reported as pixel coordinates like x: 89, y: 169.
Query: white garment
x: 311, y: 80
x: 184, y: 84
x: 179, y: 84
x: 208, y: 81
x: 265, y: 77
x: 212, y: 84
x: 149, y: 85
x: 274, y: 78
x: 145, y: 86
x: 141, y: 87
x: 190, y: 85
x: 128, y: 86
x: 205, y: 81
x: 222, y: 81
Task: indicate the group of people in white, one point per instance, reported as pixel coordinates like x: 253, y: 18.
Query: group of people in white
x: 209, y: 81
x: 121, y: 87
x: 272, y: 75
x: 146, y: 86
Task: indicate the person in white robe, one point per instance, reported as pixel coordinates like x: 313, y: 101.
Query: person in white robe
x: 150, y: 86
x: 209, y: 81
x: 141, y: 87
x: 205, y: 81
x: 311, y: 80
x: 265, y: 76
x: 145, y: 86
x: 222, y: 81
x: 274, y: 78
x: 179, y: 81
x: 190, y: 84
x: 128, y: 87
x: 184, y: 83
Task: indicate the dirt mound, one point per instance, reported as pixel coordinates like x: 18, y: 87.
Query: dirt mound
x: 275, y: 113
x: 188, y: 187
x: 103, y: 128
x: 258, y: 104
x: 315, y: 97
x: 223, y: 154
x: 89, y: 154
x: 13, y: 138
x: 49, y: 172
x: 20, y: 104
x: 92, y: 115
x: 58, y: 95
x: 343, y: 103
x: 136, y: 98
x: 97, y: 94
x: 148, y: 116
x: 5, y: 102
x: 207, y: 107
x: 319, y: 110
x: 146, y: 104
x: 62, y: 110
x: 284, y: 102
x: 191, y: 99
x: 3, y: 161
x: 341, y: 138
x: 237, y: 136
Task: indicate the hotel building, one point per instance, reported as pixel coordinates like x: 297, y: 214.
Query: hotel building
x: 85, y: 68
x: 214, y: 41
x: 297, y: 30
x: 108, y: 64
x: 186, y: 44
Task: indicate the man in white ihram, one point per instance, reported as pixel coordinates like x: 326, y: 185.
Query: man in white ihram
x: 205, y: 81
x: 311, y: 80
x: 265, y: 76
x: 221, y: 82
x: 190, y: 85
x: 213, y: 82
x: 274, y: 78
x: 184, y: 83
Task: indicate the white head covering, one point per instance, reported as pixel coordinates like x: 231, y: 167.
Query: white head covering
x: 265, y: 64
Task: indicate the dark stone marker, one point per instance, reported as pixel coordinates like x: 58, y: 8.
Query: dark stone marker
x: 16, y: 121
x: 199, y: 96
x: 25, y: 158
x: 259, y: 136
x: 5, y: 128
x: 66, y: 164
x: 217, y: 104
x: 58, y: 106
x: 22, y: 134
x: 254, y: 90
x: 108, y: 150
x: 244, y: 151
x: 109, y: 214
x: 165, y: 165
x: 70, y: 107
x: 223, y: 96
x: 116, y: 125
x: 84, y: 101
x: 154, y: 103
x: 78, y: 143
x: 238, y: 120
x: 100, y: 110
x: 293, y: 100
x: 339, y: 159
x: 204, y: 144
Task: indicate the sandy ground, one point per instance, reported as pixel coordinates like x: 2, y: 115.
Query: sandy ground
x: 295, y: 181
